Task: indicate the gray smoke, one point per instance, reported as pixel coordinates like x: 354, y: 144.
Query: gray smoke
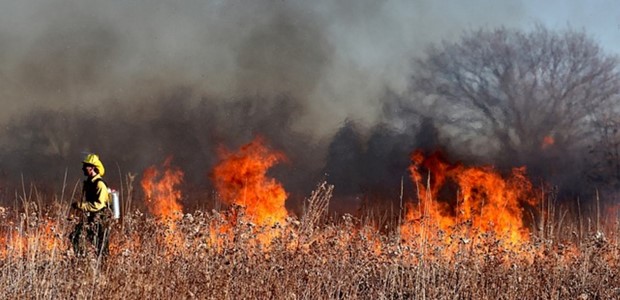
x: 335, y: 58
x: 137, y: 81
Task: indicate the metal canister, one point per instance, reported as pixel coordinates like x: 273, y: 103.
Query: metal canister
x: 115, y: 204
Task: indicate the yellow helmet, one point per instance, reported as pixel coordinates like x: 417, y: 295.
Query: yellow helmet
x: 93, y: 159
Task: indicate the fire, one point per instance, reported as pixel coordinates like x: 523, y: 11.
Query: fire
x: 547, y: 142
x: 486, y: 202
x: 41, y: 238
x: 161, y: 192
x: 163, y: 196
x: 240, y: 179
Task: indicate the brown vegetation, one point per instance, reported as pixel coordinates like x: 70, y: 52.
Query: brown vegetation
x: 216, y: 255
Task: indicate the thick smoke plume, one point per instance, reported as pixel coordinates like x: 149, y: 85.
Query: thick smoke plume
x: 137, y: 82
x: 334, y: 58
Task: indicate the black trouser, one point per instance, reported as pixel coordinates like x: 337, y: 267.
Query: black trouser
x: 95, y: 230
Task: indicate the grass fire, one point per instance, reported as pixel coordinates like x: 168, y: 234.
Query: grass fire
x: 353, y: 149
x: 481, y: 237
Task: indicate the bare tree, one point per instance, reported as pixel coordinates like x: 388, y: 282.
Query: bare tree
x: 604, y: 160
x: 517, y: 94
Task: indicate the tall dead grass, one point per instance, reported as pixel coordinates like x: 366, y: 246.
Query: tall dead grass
x: 308, y: 258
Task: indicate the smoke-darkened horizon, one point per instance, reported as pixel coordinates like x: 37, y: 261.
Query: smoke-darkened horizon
x: 140, y: 81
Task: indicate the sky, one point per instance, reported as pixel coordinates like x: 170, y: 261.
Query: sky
x: 336, y: 57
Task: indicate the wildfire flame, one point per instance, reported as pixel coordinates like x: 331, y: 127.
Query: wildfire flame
x: 547, y: 142
x: 163, y: 196
x: 240, y: 179
x: 486, y: 202
x: 161, y: 192
x: 41, y: 238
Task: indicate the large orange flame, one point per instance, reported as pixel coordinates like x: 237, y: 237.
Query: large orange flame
x: 240, y: 179
x: 161, y: 190
x: 486, y: 202
x: 163, y: 197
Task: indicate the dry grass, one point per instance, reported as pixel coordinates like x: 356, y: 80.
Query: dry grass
x: 214, y: 257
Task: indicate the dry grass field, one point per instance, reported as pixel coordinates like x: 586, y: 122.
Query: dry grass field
x: 500, y: 239
x: 221, y: 255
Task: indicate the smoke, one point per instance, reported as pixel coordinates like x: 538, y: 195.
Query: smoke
x: 335, y: 58
x: 137, y: 81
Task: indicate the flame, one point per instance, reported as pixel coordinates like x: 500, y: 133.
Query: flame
x: 547, y: 142
x: 486, y: 202
x: 162, y: 196
x: 161, y: 192
x: 41, y: 238
x: 240, y: 179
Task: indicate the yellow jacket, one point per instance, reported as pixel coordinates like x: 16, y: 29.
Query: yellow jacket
x: 94, y: 194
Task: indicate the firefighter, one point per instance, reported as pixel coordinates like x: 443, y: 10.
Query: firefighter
x: 94, y: 225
